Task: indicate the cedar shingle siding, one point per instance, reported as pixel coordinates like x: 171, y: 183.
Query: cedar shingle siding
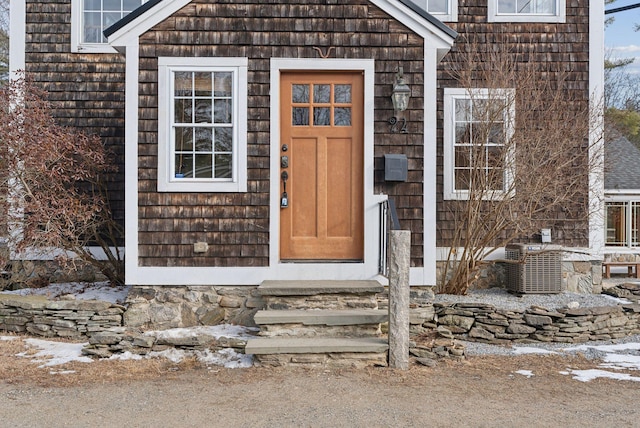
x: 236, y: 226
x: 554, y: 49
x: 86, y: 91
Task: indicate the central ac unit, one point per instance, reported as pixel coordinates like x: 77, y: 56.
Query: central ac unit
x: 535, y: 268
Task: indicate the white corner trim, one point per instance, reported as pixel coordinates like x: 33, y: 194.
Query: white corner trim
x: 596, y: 140
x: 430, y: 171
x: 17, y: 39
x: 131, y: 164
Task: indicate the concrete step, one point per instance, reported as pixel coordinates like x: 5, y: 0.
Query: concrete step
x: 311, y: 288
x: 268, y: 346
x: 322, y: 317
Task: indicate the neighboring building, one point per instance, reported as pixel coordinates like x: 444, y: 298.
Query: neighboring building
x: 622, y: 199
x: 217, y: 108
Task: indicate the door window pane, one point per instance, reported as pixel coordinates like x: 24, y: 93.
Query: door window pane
x: 321, y: 93
x: 342, y: 116
x: 321, y: 116
x: 342, y: 94
x: 300, y: 93
x: 616, y: 223
x: 300, y: 116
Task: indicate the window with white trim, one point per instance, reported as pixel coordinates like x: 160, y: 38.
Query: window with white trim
x: 622, y: 223
x: 202, y: 113
x: 478, y: 156
x: 89, y: 19
x: 444, y: 10
x: 527, y: 10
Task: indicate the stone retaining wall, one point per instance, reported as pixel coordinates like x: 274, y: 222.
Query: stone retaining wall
x: 57, y: 318
x: 486, y: 323
x: 163, y: 307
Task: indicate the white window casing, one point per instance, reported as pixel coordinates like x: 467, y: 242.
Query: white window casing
x: 451, y: 95
x: 168, y: 180
x: 527, y: 11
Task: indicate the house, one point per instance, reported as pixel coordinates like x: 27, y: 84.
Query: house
x: 252, y: 135
x: 622, y: 198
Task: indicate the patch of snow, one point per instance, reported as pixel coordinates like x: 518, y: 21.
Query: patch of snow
x: 80, y: 290
x: 617, y: 299
x: 621, y: 361
x: 127, y: 355
x: 527, y: 373
x: 55, y: 353
x: 589, y: 375
x: 7, y: 338
x: 228, y: 358
x: 217, y: 331
x: 531, y: 350
x: 632, y: 346
x: 62, y: 372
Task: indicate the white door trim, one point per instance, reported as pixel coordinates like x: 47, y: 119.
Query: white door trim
x: 368, y: 268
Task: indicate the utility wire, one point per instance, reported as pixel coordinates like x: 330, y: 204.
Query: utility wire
x: 622, y: 8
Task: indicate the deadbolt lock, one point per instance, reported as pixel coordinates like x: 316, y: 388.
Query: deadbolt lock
x: 284, y: 161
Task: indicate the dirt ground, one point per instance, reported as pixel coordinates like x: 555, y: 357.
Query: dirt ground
x: 477, y: 392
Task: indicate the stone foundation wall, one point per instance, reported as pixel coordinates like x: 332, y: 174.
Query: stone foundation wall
x: 163, y: 307
x: 57, y: 318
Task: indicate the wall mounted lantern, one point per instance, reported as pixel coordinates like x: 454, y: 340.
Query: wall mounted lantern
x: 401, y: 92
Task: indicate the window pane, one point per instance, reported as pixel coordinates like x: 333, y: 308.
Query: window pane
x: 300, y: 116
x: 462, y: 178
x: 203, y: 111
x: 92, y: 27
x: 112, y: 5
x: 321, y: 116
x: 183, y: 111
x: 616, y: 224
x: 203, y: 166
x: 223, y: 82
x: 222, y: 112
x: 463, y: 110
x: 110, y: 18
x: 463, y: 133
x: 204, y: 139
x: 321, y: 93
x: 223, y: 166
x: 184, y: 139
x: 202, y: 84
x: 129, y: 5
x: 184, y: 166
x: 437, y: 6
x: 342, y: 94
x: 92, y: 5
x: 300, y: 93
x: 496, y: 134
x: 462, y: 157
x: 182, y: 83
x: 495, y: 156
x: 506, y: 6
x: 342, y: 116
x: 224, y: 139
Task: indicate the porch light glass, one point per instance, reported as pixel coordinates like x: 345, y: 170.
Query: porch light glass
x: 401, y: 92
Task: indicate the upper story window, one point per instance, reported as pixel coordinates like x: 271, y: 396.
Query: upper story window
x: 622, y: 223
x: 444, y: 10
x: 527, y: 10
x: 89, y: 18
x: 202, y: 124
x: 478, y: 156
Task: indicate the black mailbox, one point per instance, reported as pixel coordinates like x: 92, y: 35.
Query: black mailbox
x: 395, y: 167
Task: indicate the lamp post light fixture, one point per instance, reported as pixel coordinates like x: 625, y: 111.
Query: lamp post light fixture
x: 401, y: 92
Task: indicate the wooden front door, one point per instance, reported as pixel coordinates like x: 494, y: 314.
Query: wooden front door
x: 321, y: 148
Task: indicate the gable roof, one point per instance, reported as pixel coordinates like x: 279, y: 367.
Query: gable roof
x: 622, y: 165
x: 153, y: 12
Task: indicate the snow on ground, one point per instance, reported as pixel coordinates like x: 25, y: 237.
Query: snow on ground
x: 528, y: 350
x: 57, y: 353
x: 80, y: 290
